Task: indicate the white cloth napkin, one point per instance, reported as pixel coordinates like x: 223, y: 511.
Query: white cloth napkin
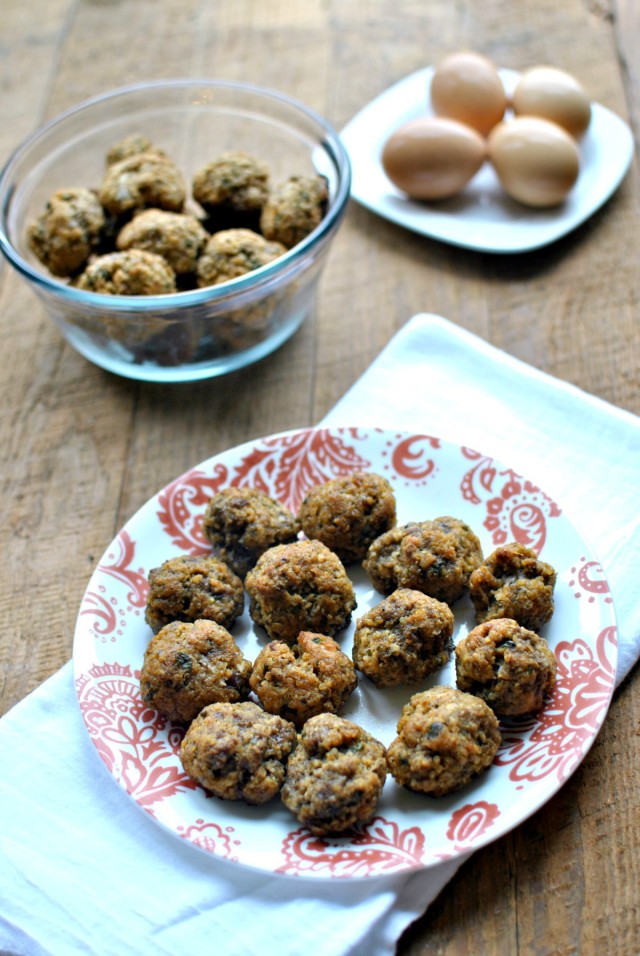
x: 83, y: 870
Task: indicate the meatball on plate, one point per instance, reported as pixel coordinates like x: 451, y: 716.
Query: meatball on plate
x: 411, y: 739
x: 298, y: 682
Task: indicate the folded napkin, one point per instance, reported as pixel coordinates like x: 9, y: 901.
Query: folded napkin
x: 83, y: 870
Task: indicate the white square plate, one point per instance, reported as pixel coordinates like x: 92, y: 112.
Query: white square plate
x: 482, y: 216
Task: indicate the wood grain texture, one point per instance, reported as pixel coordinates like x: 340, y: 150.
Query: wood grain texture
x: 81, y: 450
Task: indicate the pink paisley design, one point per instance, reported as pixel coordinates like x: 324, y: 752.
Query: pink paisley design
x: 588, y: 580
x: 468, y: 823
x: 517, y: 510
x: 103, y: 612
x: 138, y: 746
x: 210, y: 837
x: 380, y: 847
x: 109, y: 619
x: 287, y: 466
x: 559, y: 733
x: 120, y: 568
x: 182, y: 504
x: 410, y: 458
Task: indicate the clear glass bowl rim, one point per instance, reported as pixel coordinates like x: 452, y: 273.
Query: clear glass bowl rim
x: 212, y: 294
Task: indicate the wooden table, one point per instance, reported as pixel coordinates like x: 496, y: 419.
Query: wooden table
x: 82, y: 449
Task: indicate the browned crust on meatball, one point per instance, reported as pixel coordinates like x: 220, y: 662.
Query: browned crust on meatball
x: 436, y: 557
x: 294, y: 209
x: 403, y: 639
x: 142, y: 181
x: 231, y: 253
x: 238, y: 752
x: 189, y: 665
x: 349, y: 513
x: 188, y: 587
x: 511, y: 668
x: 133, y: 272
x: 445, y: 739
x: 511, y: 582
x: 68, y: 231
x: 334, y: 776
x: 311, y: 677
x: 235, y: 179
x: 175, y: 236
x: 243, y: 523
x: 301, y: 586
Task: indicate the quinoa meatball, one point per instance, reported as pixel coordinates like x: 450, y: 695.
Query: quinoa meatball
x: 131, y: 146
x: 175, y: 236
x: 142, y: 181
x: 133, y: 272
x: 435, y: 557
x: 238, y: 752
x: 511, y: 668
x: 68, y: 231
x: 234, y: 252
x: 186, y: 588
x: 403, y: 639
x: 445, y: 739
x: 512, y: 582
x: 301, y: 586
x: 334, y: 776
x: 294, y: 209
x: 349, y: 513
x: 311, y: 677
x: 243, y: 523
x: 189, y: 665
x: 235, y: 181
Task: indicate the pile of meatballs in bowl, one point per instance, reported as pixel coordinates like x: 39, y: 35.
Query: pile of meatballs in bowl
x: 176, y: 230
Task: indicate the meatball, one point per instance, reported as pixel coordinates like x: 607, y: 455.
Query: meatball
x: 238, y: 752
x: 403, y: 639
x: 511, y: 582
x: 234, y: 252
x: 243, y: 523
x: 187, y: 588
x: 294, y: 209
x: 445, y: 738
x: 235, y: 181
x: 349, y: 513
x: 334, y: 776
x: 511, y: 668
x: 311, y: 677
x: 189, y: 665
x: 133, y: 272
x: 68, y: 231
x: 142, y: 181
x: 131, y: 146
x: 301, y: 586
x: 175, y: 236
x: 435, y: 557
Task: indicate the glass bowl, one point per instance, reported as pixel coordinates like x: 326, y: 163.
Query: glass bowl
x: 201, y: 332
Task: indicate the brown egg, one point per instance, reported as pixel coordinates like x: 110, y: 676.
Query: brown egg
x: 433, y: 157
x: 536, y: 161
x: 555, y: 95
x: 466, y: 86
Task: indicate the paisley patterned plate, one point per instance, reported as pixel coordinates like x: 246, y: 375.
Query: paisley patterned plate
x: 430, y: 478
